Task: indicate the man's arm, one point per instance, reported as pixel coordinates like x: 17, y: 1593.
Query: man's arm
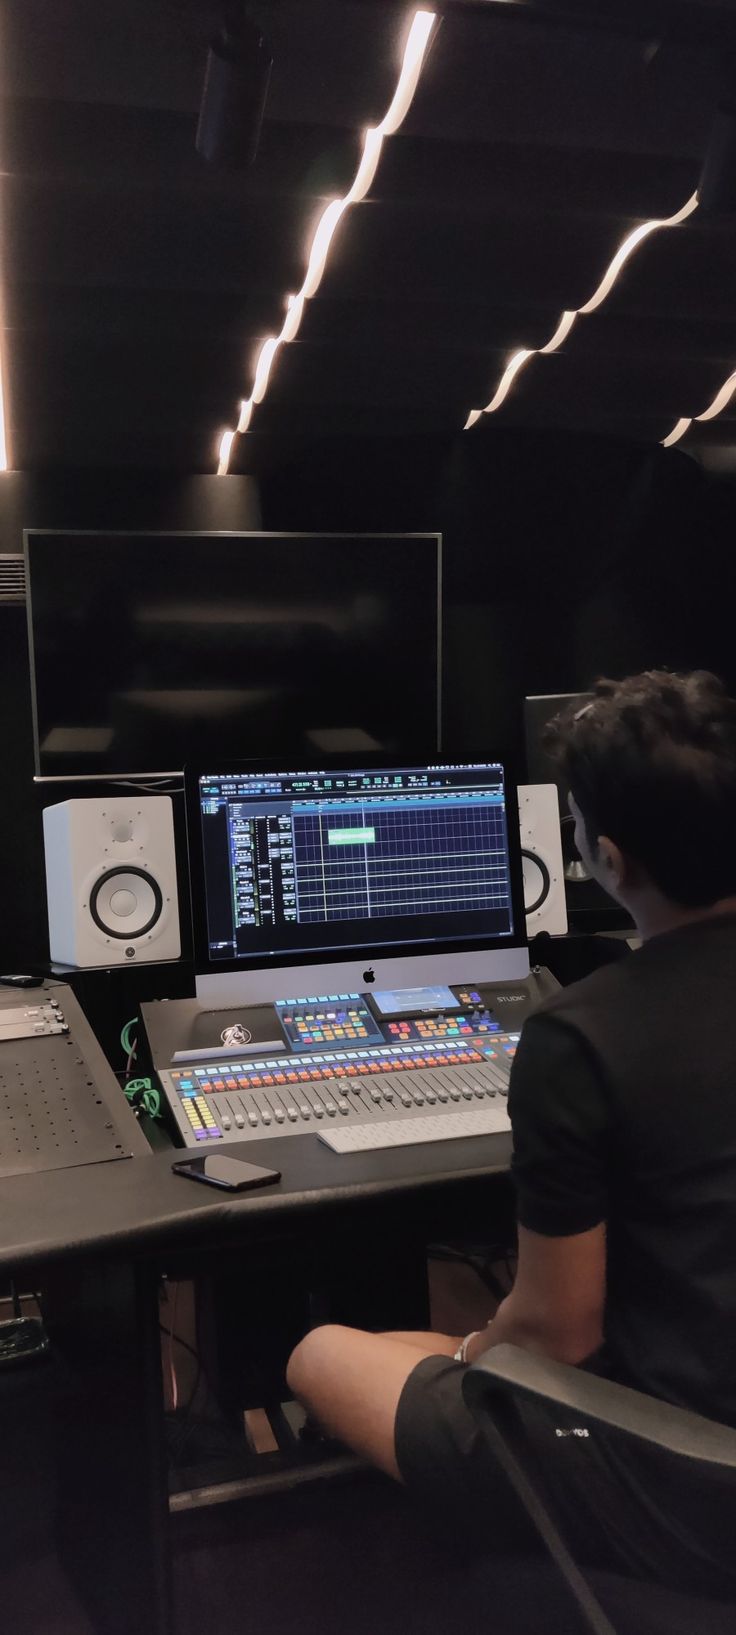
x: 556, y: 1305
x: 353, y: 1382
x: 562, y: 1142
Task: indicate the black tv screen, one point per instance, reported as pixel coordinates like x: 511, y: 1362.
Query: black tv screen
x: 151, y: 650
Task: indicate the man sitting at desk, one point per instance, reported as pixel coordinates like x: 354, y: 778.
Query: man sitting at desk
x: 623, y: 1108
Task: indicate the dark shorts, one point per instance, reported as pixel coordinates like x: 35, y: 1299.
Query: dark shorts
x: 647, y: 1519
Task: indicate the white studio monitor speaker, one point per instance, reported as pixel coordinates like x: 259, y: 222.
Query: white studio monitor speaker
x: 541, y: 856
x: 111, y: 881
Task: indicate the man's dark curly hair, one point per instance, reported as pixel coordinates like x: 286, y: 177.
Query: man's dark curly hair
x: 651, y: 762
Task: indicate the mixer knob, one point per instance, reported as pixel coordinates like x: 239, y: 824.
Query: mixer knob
x: 343, y: 1106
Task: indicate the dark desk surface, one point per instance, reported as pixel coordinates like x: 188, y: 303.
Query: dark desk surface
x: 137, y: 1205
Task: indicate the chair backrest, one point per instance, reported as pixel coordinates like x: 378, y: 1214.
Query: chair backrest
x: 507, y: 1368
x: 653, y: 1609
x: 505, y: 1372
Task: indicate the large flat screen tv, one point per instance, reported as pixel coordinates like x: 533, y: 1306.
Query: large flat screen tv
x: 152, y: 650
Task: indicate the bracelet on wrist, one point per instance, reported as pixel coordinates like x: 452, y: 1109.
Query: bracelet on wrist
x: 461, y: 1355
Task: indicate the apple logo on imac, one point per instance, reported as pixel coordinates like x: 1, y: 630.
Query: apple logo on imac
x: 369, y: 975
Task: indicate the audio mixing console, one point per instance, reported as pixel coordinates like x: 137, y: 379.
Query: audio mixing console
x: 346, y: 1069
x: 216, y: 1101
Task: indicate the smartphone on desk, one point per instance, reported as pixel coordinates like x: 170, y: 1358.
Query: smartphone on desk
x: 232, y: 1174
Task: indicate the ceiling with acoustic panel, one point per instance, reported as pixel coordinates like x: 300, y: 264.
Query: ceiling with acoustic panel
x: 139, y: 283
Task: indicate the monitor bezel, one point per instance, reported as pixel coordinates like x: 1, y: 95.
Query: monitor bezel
x: 432, y: 537
x: 347, y: 956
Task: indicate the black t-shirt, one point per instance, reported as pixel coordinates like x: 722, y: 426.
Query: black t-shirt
x: 623, y: 1107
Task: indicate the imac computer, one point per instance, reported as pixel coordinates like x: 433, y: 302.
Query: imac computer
x: 342, y: 879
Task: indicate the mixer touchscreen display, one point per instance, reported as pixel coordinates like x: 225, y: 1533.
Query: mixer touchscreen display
x: 390, y: 1002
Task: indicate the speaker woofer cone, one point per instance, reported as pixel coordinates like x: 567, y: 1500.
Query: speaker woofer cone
x: 125, y: 881
x: 544, y: 889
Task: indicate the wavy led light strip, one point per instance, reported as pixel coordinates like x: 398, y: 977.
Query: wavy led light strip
x: 625, y: 250
x: 722, y: 397
x: 422, y: 25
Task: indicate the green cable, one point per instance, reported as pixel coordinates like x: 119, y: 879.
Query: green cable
x: 142, y: 1093
x: 127, y: 1043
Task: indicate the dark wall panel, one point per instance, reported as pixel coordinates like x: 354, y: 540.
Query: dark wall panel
x: 72, y: 500
x: 564, y: 557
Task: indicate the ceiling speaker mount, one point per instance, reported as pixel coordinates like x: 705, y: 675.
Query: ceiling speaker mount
x: 236, y: 84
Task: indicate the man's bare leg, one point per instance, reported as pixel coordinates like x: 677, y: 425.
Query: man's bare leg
x: 351, y: 1382
x: 433, y: 1345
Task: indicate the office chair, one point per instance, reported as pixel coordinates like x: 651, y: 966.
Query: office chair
x: 639, y: 1608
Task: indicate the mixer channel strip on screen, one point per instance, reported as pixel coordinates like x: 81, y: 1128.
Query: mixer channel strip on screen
x: 298, y: 1094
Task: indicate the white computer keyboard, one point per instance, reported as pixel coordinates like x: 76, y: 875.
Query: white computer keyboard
x: 410, y: 1132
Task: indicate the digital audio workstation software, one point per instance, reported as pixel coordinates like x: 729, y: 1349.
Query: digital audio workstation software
x: 318, y: 860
